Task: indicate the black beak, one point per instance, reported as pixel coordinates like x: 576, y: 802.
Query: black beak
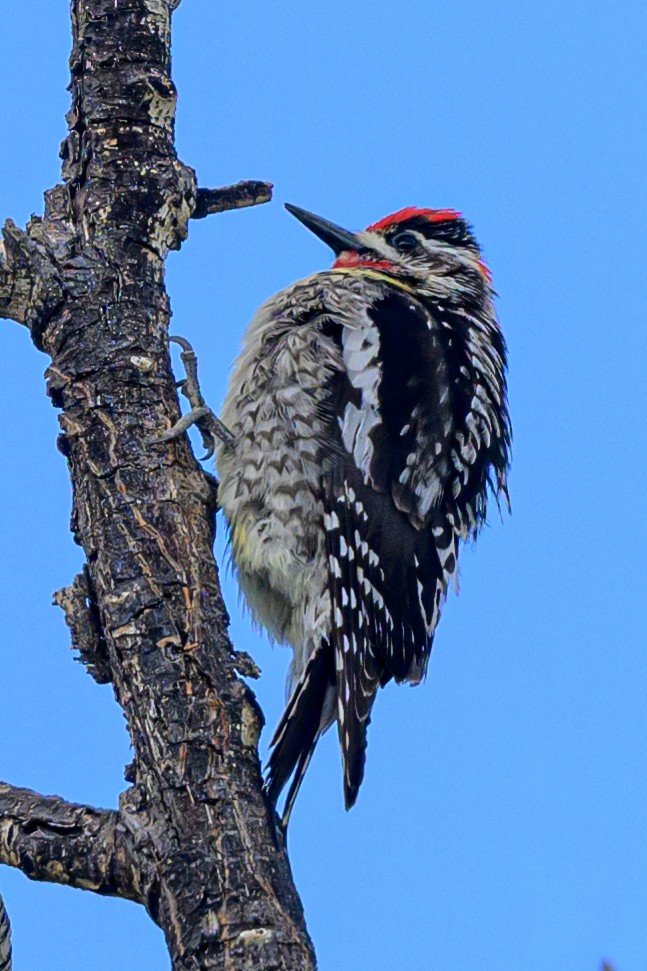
x: 334, y: 236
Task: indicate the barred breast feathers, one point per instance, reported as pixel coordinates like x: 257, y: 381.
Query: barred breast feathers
x: 270, y: 483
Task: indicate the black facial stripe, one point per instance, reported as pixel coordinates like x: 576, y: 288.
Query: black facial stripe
x: 455, y: 231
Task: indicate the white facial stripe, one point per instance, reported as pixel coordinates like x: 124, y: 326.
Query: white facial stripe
x: 440, y: 254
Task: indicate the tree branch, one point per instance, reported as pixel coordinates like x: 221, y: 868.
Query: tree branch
x: 50, y: 839
x: 30, y: 285
x: 82, y: 617
x: 194, y: 839
x: 237, y: 196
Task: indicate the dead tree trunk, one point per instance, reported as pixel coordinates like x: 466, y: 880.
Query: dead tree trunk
x: 193, y: 839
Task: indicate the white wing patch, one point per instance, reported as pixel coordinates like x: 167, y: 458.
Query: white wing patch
x: 360, y: 351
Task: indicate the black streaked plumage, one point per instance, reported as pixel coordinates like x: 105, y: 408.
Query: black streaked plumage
x: 381, y: 386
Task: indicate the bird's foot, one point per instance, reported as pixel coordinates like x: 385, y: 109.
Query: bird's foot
x: 201, y: 415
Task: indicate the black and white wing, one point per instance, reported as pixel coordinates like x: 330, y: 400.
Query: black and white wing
x: 390, y: 552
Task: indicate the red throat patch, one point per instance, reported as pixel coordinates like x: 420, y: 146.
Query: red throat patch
x: 484, y: 270
x: 433, y: 215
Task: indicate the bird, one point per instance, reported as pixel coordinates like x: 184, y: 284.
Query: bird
x: 5, y: 939
x: 369, y: 428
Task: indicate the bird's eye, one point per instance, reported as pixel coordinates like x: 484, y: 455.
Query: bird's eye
x: 405, y: 242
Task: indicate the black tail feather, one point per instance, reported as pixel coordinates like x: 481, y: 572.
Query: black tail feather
x: 298, y: 731
x: 297, y: 779
x: 354, y: 758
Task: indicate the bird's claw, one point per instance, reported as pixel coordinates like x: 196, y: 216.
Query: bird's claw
x: 208, y: 424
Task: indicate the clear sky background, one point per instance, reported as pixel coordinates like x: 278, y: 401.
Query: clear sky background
x: 502, y: 824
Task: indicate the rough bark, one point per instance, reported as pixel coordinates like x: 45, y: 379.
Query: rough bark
x: 193, y: 839
x: 49, y: 839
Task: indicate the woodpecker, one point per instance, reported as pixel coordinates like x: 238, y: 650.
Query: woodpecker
x: 5, y: 939
x: 370, y: 425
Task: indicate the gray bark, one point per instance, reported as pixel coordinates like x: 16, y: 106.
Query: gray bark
x: 193, y: 839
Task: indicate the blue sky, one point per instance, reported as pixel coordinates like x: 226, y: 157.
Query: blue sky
x: 502, y: 820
